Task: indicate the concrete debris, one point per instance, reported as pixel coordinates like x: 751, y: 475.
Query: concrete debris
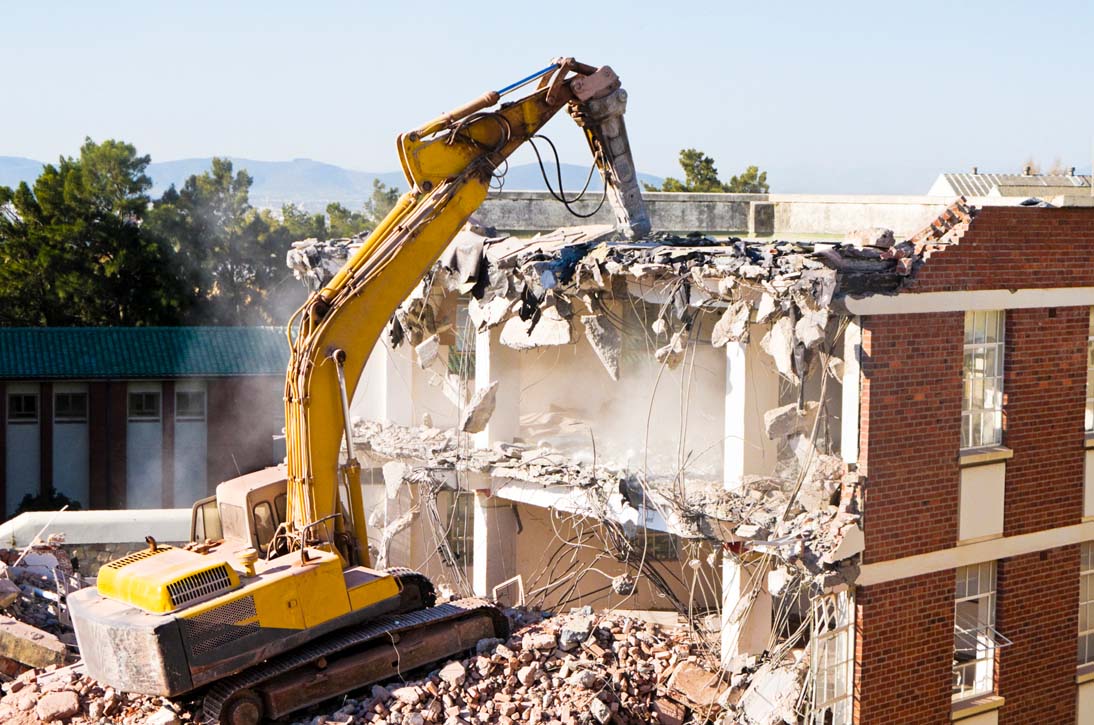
x: 479, y: 409
x: 622, y: 671
x: 427, y: 351
x: 779, y: 343
x: 605, y: 341
x: 68, y: 695
x: 732, y: 326
x: 786, y: 420
x: 772, y: 694
x: 871, y: 237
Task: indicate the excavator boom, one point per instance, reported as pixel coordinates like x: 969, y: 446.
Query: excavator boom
x: 273, y: 605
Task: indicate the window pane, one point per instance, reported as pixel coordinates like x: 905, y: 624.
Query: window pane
x: 968, y: 328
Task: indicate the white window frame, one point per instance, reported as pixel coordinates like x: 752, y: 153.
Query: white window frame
x: 975, y: 636
x: 23, y: 419
x: 982, y: 379
x: 459, y: 524
x: 1090, y: 374
x: 59, y: 417
x: 1086, y: 604
x: 832, y: 659
x: 144, y: 417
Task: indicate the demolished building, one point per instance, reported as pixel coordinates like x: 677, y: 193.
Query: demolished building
x: 772, y: 438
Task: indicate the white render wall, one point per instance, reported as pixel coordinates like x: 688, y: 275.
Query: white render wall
x: 22, y: 472
x: 71, y: 451
x: 144, y: 456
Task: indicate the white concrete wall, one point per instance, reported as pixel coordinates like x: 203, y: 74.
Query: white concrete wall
x: 385, y: 391
x: 22, y: 470
x: 1085, y: 704
x: 981, y: 501
x: 1088, y: 484
x: 191, y: 449
x: 144, y: 456
x: 71, y: 451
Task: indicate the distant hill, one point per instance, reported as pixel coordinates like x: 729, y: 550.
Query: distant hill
x: 313, y: 184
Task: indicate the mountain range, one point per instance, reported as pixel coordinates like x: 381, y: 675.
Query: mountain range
x: 312, y: 184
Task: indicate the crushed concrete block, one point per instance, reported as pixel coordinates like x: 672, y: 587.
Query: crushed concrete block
x: 163, y: 716
x: 672, y: 354
x: 427, y: 351
x: 549, y: 328
x: 57, y: 706
x: 574, y: 632
x: 772, y: 695
x: 732, y: 326
x: 809, y: 329
x: 605, y: 341
x: 871, y: 237
x: 480, y: 409
x: 394, y: 475
x: 29, y: 645
x: 453, y: 674
x: 697, y: 686
x: 786, y: 420
x: 852, y: 542
x: 779, y: 344
x: 600, y: 711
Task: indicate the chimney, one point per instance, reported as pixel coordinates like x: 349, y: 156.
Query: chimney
x: 1072, y: 172
x: 1028, y: 171
x: 975, y: 171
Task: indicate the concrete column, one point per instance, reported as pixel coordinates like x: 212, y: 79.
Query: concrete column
x: 752, y: 387
x: 496, y: 362
x: 746, y: 606
x: 495, y: 543
x: 852, y: 385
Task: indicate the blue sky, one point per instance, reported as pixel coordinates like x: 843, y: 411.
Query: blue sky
x: 829, y: 97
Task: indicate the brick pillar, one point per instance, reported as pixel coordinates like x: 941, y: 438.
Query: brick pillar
x: 98, y: 433
x: 904, y: 651
x: 168, y: 459
x: 117, y: 421
x: 45, y: 438
x: 1037, y: 609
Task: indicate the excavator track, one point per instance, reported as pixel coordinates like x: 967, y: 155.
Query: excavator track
x: 350, y: 659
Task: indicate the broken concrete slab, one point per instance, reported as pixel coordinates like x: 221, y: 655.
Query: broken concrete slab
x: 786, y: 420
x: 732, y: 326
x: 871, y: 237
x: 699, y: 687
x: 29, y: 645
x: 605, y: 342
x: 427, y: 351
x: 480, y: 409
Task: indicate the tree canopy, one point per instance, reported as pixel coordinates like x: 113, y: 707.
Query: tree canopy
x: 86, y: 245
x: 701, y: 176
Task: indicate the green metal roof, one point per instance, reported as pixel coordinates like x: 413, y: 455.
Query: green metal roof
x: 54, y: 353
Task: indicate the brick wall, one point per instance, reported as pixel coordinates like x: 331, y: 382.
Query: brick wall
x: 910, y: 429
x: 904, y: 651
x: 1038, y: 598
x: 243, y: 416
x: 1045, y: 388
x: 1015, y: 247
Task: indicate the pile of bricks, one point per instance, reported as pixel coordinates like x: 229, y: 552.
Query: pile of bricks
x: 577, y: 668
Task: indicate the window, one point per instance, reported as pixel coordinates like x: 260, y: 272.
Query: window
x: 1086, y: 604
x: 1090, y: 374
x: 70, y: 407
x: 264, y: 524
x: 460, y: 528
x: 23, y: 408
x: 831, y: 661
x: 655, y: 545
x: 982, y: 402
x: 144, y: 406
x: 461, y: 355
x: 280, y: 506
x: 189, y: 405
x: 974, y: 635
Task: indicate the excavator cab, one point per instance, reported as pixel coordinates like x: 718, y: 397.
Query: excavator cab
x: 246, y: 509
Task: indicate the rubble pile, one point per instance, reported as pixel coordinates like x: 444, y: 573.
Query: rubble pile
x: 68, y: 695
x: 33, y: 585
x: 577, y: 668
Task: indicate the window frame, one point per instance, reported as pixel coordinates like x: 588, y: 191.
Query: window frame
x: 21, y: 417
x: 142, y: 417
x: 1089, y: 412
x: 190, y: 416
x: 59, y: 417
x: 656, y: 545
x: 981, y: 633
x: 832, y: 659
x: 459, y: 530
x: 1085, y: 642
x: 977, y: 385
x: 461, y: 353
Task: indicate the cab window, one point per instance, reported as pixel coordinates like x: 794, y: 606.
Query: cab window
x: 281, y: 505
x: 205, y: 521
x: 264, y: 524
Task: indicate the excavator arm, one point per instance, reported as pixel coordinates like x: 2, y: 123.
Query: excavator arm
x: 448, y: 163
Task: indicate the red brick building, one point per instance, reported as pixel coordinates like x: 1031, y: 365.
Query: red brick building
x: 136, y: 417
x: 975, y: 453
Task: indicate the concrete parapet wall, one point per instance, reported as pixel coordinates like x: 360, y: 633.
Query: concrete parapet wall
x: 525, y: 212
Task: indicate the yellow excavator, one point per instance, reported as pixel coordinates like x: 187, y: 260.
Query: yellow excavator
x: 273, y: 605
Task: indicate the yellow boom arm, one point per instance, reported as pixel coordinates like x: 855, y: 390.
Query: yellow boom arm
x: 448, y: 165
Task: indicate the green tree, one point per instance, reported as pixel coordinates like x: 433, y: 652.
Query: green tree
x: 232, y: 255
x: 701, y: 176
x: 345, y: 223
x: 72, y: 250
x: 382, y: 201
x: 299, y: 224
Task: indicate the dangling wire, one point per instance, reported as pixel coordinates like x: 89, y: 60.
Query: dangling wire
x: 561, y: 195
